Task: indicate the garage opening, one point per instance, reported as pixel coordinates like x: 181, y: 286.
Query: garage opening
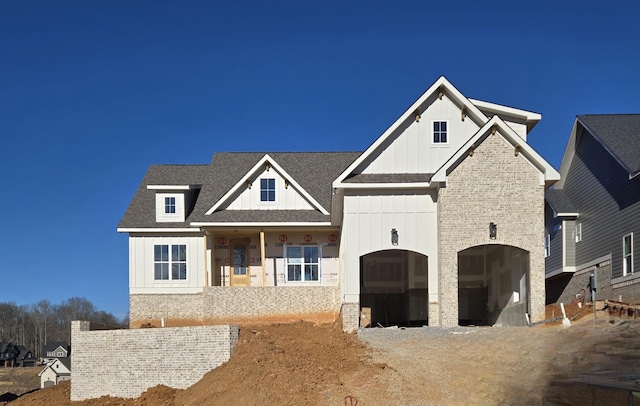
x: 493, y: 284
x: 394, y: 288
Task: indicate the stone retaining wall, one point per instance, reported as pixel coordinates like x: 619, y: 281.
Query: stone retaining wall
x: 125, y: 363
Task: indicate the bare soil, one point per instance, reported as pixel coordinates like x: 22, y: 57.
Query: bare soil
x: 305, y: 364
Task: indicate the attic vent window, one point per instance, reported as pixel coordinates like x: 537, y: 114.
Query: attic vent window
x: 170, y: 205
x: 440, y: 132
x: 268, y: 190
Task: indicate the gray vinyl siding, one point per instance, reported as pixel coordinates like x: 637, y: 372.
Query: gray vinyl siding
x: 608, y: 202
x: 553, y: 261
x: 570, y: 245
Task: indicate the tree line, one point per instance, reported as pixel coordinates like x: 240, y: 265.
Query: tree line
x: 36, y: 324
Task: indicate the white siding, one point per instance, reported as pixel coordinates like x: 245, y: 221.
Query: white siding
x: 141, y: 265
x: 368, y: 220
x: 413, y: 150
x: 287, y: 198
x: 518, y: 128
x: 161, y: 216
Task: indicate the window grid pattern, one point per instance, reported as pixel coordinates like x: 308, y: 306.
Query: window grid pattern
x: 268, y: 190
x: 627, y: 254
x: 170, y: 257
x: 170, y: 205
x: 439, y: 132
x: 303, y: 264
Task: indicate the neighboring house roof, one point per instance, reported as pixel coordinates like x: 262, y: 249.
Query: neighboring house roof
x: 619, y: 134
x: 560, y: 203
x: 60, y: 366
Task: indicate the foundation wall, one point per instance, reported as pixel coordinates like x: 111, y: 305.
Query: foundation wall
x: 238, y: 305
x: 125, y: 363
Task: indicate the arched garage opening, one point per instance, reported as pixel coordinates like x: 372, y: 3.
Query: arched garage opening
x: 493, y: 285
x: 394, y: 287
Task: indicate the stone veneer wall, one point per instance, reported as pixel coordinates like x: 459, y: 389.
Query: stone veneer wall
x: 350, y: 317
x: 125, y: 363
x: 492, y: 185
x: 237, y: 305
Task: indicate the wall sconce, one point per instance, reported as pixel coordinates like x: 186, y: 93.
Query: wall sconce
x: 286, y: 183
x: 394, y: 236
x: 516, y: 150
x: 248, y: 184
x: 493, y: 230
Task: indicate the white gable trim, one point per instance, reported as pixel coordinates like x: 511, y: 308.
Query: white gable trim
x: 550, y: 174
x: 173, y: 187
x: 266, y: 159
x: 529, y: 116
x: 157, y: 230
x: 442, y: 84
x: 263, y: 224
x: 416, y: 185
x: 568, y: 155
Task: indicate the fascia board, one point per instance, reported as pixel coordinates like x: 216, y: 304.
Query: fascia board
x: 549, y: 172
x: 416, y: 185
x: 509, y: 111
x: 441, y: 82
x: 567, y: 157
x: 266, y: 158
x: 576, y: 215
x: 262, y: 224
x: 157, y: 230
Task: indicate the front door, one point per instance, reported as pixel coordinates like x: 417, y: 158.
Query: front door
x: 240, y: 275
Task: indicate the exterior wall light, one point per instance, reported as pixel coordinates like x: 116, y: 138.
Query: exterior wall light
x: 394, y: 236
x: 493, y: 230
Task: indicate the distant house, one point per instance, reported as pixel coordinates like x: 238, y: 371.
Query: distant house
x: 8, y: 354
x: 25, y: 357
x: 593, y: 214
x: 53, y: 350
x: 56, y: 371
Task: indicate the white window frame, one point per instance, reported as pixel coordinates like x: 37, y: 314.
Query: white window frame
x: 171, y: 261
x: 627, y: 258
x: 578, y: 232
x: 301, y: 262
x: 170, y: 205
x: 547, y: 246
x: 268, y: 190
x: 440, y: 132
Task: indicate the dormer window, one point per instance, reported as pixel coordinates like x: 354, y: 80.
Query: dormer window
x: 169, y: 205
x: 440, y: 132
x: 268, y: 190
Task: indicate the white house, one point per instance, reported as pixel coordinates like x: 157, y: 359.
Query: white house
x: 54, y: 372
x: 440, y: 222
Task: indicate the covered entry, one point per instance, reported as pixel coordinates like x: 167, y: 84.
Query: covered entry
x: 394, y: 287
x: 493, y: 281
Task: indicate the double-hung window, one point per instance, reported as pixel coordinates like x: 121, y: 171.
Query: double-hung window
x: 627, y: 254
x: 302, y: 263
x: 169, y: 205
x: 578, y: 232
x: 440, y: 132
x: 268, y: 190
x: 170, y: 262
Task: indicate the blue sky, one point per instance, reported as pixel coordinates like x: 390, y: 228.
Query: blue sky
x: 93, y: 92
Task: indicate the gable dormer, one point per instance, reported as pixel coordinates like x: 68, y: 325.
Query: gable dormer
x: 267, y: 186
x: 173, y: 201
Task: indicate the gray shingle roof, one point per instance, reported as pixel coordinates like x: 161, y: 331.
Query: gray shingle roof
x: 620, y: 134
x: 313, y: 171
x: 559, y: 202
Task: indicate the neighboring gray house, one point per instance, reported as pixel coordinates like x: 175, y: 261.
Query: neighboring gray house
x: 53, y: 350
x: 592, y: 214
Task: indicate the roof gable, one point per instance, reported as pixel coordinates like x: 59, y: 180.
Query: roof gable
x: 548, y: 174
x: 266, y: 164
x: 441, y: 88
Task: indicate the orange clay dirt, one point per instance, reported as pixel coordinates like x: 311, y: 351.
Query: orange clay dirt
x: 306, y: 364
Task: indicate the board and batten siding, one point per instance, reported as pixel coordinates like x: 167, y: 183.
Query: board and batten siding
x: 287, y: 197
x: 141, y: 264
x: 411, y: 148
x: 369, y: 218
x: 608, y: 203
